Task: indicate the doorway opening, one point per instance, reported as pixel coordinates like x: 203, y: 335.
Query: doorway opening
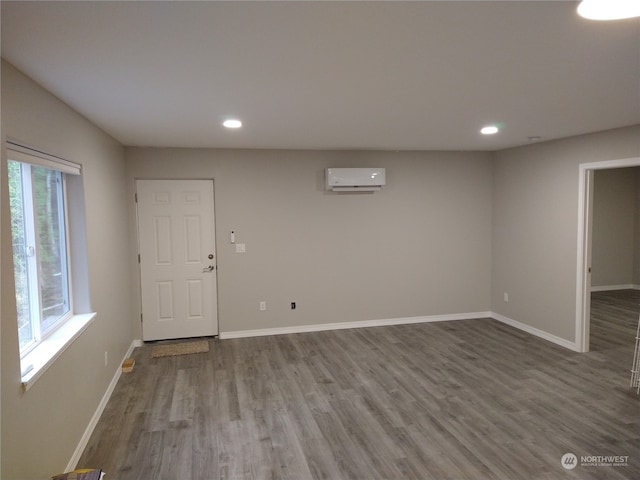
x: 585, y: 243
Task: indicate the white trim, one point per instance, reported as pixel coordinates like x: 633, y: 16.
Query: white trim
x: 98, y: 413
x: 401, y: 321
x: 612, y: 164
x: 606, y: 288
x: 38, y: 361
x: 583, y: 280
x: 346, y: 325
x: 536, y: 331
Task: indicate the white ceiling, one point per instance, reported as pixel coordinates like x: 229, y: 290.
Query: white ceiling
x: 330, y: 75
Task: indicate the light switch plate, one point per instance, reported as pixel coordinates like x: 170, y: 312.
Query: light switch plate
x: 241, y: 248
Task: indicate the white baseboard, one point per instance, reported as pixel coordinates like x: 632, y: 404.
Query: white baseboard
x: 346, y: 325
x: 536, y: 331
x: 401, y: 321
x: 98, y: 413
x: 605, y: 288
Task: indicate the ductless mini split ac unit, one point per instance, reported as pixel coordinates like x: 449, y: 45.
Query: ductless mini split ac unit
x: 355, y: 179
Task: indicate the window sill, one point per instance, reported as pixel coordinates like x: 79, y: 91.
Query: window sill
x: 42, y: 357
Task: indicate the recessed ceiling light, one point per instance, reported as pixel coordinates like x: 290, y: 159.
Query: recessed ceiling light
x: 232, y: 123
x: 489, y: 130
x: 609, y: 9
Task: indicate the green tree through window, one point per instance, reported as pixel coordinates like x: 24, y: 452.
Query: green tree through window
x: 38, y: 231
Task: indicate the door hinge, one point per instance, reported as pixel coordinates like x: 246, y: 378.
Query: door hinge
x: 140, y: 318
x: 138, y: 258
x: 136, y: 197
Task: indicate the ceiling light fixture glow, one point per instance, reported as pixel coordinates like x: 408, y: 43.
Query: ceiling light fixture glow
x: 489, y: 130
x: 609, y: 9
x: 232, y: 123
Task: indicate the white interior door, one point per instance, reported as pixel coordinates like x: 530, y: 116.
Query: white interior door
x: 176, y: 235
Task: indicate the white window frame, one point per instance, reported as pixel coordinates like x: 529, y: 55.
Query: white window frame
x: 40, y: 332
x: 40, y: 355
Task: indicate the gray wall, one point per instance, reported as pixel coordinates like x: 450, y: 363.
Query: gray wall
x: 535, y: 223
x: 615, y: 222
x: 42, y: 427
x: 421, y: 246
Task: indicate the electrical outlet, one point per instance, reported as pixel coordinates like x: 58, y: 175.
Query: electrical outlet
x: 263, y: 306
x: 506, y: 297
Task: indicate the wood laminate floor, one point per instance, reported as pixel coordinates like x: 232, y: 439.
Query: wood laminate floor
x: 469, y: 399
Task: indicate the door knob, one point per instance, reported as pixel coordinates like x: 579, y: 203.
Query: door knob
x: 207, y: 269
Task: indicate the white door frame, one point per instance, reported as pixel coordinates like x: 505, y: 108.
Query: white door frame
x: 585, y: 227
x: 136, y: 179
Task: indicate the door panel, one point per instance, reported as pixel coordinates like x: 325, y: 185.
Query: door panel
x: 176, y: 234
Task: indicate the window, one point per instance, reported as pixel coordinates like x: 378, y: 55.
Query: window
x: 39, y: 238
x: 51, y: 273
x: 42, y: 231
